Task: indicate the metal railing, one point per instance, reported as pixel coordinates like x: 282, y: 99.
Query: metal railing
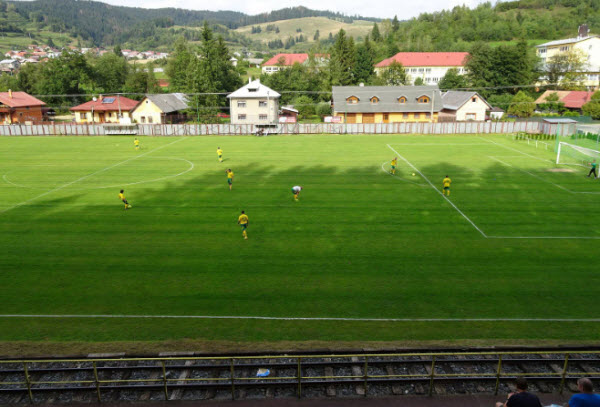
x: 362, y: 362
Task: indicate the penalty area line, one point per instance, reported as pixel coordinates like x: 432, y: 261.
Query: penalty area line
x: 98, y: 316
x: 441, y: 194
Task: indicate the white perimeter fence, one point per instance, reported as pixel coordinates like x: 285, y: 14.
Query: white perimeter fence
x: 71, y: 129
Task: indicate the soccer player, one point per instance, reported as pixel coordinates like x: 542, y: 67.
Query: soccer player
x: 394, y: 163
x: 594, y: 164
x: 243, y: 222
x: 296, y: 191
x: 229, y: 178
x: 136, y: 143
x: 122, y: 198
x: 446, y: 182
x: 220, y: 154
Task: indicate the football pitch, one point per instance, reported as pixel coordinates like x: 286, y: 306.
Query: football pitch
x: 363, y: 256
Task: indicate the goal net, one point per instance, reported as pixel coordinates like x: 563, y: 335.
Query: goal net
x: 570, y: 154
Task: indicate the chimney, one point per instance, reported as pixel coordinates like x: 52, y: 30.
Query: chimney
x: 100, y: 98
x: 10, y: 93
x: 583, y: 31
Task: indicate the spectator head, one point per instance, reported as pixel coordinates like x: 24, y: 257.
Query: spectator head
x: 521, y: 383
x: 585, y: 385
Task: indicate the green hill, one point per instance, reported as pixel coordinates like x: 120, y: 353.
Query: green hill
x: 306, y: 27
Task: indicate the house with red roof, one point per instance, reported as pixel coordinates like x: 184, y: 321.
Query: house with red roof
x: 572, y: 99
x: 20, y: 107
x: 429, y: 66
x: 283, y: 61
x: 105, y: 109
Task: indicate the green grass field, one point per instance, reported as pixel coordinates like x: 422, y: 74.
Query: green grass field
x: 360, y: 244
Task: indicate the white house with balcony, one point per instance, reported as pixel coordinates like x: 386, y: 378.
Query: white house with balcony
x: 586, y: 43
x: 254, y: 103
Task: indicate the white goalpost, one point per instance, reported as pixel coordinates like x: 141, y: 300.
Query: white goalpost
x: 570, y: 154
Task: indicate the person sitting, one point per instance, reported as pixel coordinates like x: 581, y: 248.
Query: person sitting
x: 521, y: 398
x: 586, y: 398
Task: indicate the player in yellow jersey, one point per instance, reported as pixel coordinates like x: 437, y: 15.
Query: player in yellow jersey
x: 136, y: 143
x: 122, y: 198
x: 296, y: 191
x: 394, y: 163
x: 220, y: 154
x: 446, y: 182
x: 229, y: 178
x: 243, y: 222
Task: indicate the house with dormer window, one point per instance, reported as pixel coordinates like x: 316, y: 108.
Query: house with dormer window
x: 387, y: 104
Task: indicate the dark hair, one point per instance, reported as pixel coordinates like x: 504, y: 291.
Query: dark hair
x: 521, y: 383
x: 122, y: 191
x: 586, y: 385
x: 243, y: 212
x: 446, y: 176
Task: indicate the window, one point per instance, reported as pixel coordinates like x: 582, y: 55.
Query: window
x: 241, y: 117
x: 262, y: 117
x: 241, y: 103
x: 542, y: 50
x: 143, y: 119
x: 352, y: 100
x: 423, y: 99
x: 413, y: 70
x: 405, y: 115
x: 470, y: 116
x: 262, y: 103
x: 421, y: 70
x: 401, y: 99
x: 386, y: 117
x: 565, y: 48
x: 374, y: 100
x: 427, y: 115
x: 428, y: 70
x: 474, y: 100
x: 150, y: 119
x: 417, y: 115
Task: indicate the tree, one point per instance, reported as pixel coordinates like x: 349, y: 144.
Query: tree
x: 592, y: 108
x: 419, y: 81
x: 323, y: 109
x: 394, y: 75
x: 574, y: 76
x: 395, y: 24
x: 452, y: 80
x: 521, y: 105
x: 305, y: 106
x: 342, y: 59
x: 111, y: 73
x: 363, y: 68
x: 180, y: 63
x: 65, y: 75
x: 316, y: 36
x: 375, y: 34
x: 552, y: 104
x: 117, y: 50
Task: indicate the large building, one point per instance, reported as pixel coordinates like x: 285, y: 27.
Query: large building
x: 571, y: 99
x: 387, y: 104
x: 105, y: 109
x: 587, y: 44
x: 20, y: 107
x: 429, y: 66
x: 161, y: 109
x: 284, y: 61
x: 254, y: 103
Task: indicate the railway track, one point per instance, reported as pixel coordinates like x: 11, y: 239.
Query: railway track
x: 189, y: 377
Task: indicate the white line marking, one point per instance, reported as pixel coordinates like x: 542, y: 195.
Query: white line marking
x: 545, y: 237
x: 87, y: 176
x: 310, y: 319
x: 191, y: 167
x: 439, y: 144
x: 514, y: 149
x: 438, y: 191
x: 542, y: 179
x: 400, y: 179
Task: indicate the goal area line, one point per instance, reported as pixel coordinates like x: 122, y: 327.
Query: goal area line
x: 249, y: 317
x: 470, y: 221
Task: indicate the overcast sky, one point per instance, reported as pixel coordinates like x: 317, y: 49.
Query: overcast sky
x: 374, y: 8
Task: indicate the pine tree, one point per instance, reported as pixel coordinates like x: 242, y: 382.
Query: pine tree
x: 363, y: 68
x: 316, y: 36
x: 342, y: 60
x: 395, y: 24
x: 375, y: 34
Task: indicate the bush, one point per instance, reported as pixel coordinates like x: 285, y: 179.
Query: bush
x: 324, y: 109
x: 571, y: 114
